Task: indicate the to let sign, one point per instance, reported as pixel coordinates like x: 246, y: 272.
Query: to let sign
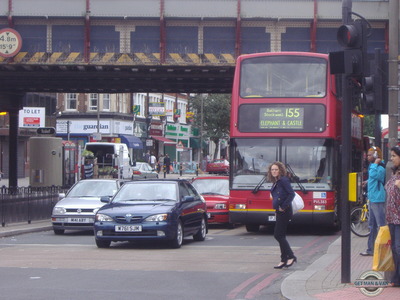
x: 10, y: 42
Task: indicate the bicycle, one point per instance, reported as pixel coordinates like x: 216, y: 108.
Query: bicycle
x: 359, y: 220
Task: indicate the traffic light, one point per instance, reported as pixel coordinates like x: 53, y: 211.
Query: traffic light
x: 351, y: 36
x: 368, y: 94
x: 148, y: 124
x: 353, y: 59
x: 375, y: 96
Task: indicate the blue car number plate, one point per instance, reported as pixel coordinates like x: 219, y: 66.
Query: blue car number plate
x: 128, y: 228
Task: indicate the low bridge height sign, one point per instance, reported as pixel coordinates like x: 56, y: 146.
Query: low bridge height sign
x: 10, y: 42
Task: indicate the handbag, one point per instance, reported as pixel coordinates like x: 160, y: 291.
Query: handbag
x: 297, y: 203
x: 383, y: 257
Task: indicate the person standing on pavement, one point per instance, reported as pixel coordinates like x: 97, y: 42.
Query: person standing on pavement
x: 282, y: 196
x: 167, y: 163
x: 147, y: 157
x: 393, y: 212
x: 376, y: 196
x: 160, y: 163
x: 153, y: 161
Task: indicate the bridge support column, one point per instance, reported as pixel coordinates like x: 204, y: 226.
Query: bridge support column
x: 12, y: 103
x: 276, y: 37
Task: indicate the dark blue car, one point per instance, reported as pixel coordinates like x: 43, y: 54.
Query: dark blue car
x: 159, y: 209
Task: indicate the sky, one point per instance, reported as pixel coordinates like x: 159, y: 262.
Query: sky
x: 384, y: 121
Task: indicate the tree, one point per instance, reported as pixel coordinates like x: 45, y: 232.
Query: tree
x: 369, y: 125
x: 216, y: 116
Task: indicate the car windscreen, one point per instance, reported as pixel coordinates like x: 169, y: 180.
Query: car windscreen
x: 93, y: 189
x: 212, y: 186
x: 145, y: 191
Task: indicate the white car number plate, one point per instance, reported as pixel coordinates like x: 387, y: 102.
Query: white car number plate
x: 271, y: 218
x: 128, y: 228
x: 80, y: 220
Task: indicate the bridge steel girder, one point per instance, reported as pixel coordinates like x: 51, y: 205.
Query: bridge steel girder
x: 114, y: 79
x: 114, y: 72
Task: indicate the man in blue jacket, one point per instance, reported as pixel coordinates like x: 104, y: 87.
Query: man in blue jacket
x: 376, y: 196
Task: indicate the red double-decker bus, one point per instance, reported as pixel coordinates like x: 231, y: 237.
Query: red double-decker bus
x: 285, y: 107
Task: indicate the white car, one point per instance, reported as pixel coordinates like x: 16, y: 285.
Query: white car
x: 76, y: 209
x: 143, y: 170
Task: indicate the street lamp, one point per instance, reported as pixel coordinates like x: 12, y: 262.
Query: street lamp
x: 98, y: 115
x: 201, y: 130
x: 68, y: 130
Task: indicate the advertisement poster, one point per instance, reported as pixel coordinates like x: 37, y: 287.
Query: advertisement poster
x: 32, y: 117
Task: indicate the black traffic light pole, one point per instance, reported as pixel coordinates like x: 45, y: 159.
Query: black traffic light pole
x: 346, y: 167
x: 352, y: 36
x: 352, y: 63
x: 346, y: 163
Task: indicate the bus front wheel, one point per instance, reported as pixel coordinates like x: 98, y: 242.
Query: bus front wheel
x: 252, y: 228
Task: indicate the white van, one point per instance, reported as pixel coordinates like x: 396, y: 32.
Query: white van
x: 112, y: 155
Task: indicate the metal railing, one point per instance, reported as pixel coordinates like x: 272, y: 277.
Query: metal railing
x: 26, y: 204
x: 185, y: 168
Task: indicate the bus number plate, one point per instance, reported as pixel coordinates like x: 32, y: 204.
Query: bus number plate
x: 271, y: 218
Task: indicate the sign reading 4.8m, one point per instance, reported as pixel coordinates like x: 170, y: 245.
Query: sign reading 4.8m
x: 10, y: 42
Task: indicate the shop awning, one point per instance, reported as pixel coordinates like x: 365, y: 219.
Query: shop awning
x: 132, y: 141
x: 163, y: 139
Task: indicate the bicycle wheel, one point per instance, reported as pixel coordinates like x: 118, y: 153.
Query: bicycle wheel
x: 357, y: 226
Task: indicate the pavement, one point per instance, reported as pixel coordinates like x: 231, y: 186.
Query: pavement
x: 321, y: 280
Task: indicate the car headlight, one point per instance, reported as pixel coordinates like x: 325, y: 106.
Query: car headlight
x: 103, y: 218
x: 157, y: 218
x: 220, y: 206
x: 59, y: 210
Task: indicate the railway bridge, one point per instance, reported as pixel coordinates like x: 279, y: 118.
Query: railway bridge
x: 176, y: 46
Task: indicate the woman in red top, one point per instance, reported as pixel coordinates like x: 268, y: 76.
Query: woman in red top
x: 393, y: 211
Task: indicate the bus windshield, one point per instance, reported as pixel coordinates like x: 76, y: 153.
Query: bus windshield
x: 283, y: 76
x: 311, y: 161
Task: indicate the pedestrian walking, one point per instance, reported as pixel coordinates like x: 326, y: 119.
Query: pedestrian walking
x: 147, y: 157
x: 282, y: 196
x: 393, y: 212
x: 160, y: 163
x: 167, y: 163
x: 153, y: 161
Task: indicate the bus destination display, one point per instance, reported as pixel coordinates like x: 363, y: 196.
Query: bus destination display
x: 281, y: 118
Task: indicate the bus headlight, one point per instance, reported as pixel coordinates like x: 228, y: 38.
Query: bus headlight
x: 240, y: 206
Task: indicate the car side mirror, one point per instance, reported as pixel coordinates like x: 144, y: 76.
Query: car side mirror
x: 188, y: 199
x: 105, y: 199
x: 61, y: 196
